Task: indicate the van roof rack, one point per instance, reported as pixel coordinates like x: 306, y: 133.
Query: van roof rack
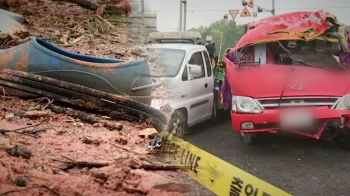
x: 190, y: 37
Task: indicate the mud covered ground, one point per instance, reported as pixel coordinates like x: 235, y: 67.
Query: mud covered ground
x: 44, y: 153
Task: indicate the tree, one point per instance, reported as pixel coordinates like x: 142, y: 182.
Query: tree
x: 231, y: 34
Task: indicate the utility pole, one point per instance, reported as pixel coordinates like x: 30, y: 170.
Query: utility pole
x: 273, y: 7
x: 180, y: 22
x: 143, y: 18
x: 143, y: 7
x: 185, y: 13
x: 222, y: 35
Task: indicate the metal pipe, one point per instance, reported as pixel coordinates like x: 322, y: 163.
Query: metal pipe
x: 180, y: 21
x: 185, y: 13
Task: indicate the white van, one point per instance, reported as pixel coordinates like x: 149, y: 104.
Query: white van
x: 188, y: 68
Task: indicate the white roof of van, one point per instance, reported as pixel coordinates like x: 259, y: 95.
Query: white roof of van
x: 186, y: 47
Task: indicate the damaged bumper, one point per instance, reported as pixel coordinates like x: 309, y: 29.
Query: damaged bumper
x: 320, y: 121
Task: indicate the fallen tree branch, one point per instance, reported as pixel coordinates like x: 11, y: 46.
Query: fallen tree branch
x: 153, y: 166
x: 127, y: 149
x: 115, y: 8
x: 16, y: 130
x: 36, y: 113
x: 105, y: 21
x: 88, y: 164
x: 48, y: 102
x: 29, y: 188
x: 161, y: 167
x: 5, y: 94
x: 87, y: 117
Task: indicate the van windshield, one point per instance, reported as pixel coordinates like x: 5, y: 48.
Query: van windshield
x: 166, y: 62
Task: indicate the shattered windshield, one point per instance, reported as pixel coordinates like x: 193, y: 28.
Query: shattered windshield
x: 166, y: 62
x: 317, y: 53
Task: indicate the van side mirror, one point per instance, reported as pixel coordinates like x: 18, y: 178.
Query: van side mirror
x: 195, y: 71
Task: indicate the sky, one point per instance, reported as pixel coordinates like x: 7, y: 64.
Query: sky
x: 205, y: 12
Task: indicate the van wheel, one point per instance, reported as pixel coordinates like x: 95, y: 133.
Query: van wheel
x: 248, y: 138
x: 343, y: 140
x: 178, y: 124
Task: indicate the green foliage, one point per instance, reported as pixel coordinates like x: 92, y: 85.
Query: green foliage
x: 231, y: 34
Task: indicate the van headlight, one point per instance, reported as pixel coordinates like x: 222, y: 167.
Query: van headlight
x: 344, y: 103
x: 245, y: 105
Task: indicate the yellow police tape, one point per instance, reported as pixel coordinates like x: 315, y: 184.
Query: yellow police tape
x: 220, y: 177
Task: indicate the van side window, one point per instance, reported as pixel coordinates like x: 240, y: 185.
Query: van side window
x: 197, y: 59
x: 207, y: 62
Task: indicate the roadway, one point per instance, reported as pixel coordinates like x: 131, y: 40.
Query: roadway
x: 300, y: 166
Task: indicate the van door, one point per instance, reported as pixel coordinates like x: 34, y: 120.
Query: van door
x: 196, y: 89
x: 210, y: 81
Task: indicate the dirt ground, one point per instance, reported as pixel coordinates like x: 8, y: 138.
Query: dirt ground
x: 55, y: 154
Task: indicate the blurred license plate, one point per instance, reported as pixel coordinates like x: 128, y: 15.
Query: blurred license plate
x: 296, y: 119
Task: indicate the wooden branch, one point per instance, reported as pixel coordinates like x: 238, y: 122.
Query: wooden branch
x: 89, y: 164
x: 116, y: 7
x: 151, y: 165
x: 28, y: 188
x: 84, y: 4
